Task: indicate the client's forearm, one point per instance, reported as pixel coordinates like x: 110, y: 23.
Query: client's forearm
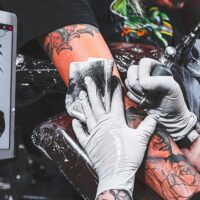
x: 74, y: 43
x: 114, y: 194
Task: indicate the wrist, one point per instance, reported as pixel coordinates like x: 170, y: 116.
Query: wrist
x: 189, y: 138
x: 121, y: 181
x: 183, y: 126
x: 114, y: 194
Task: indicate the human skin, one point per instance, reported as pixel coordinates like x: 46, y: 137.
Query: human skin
x: 73, y: 44
x: 174, y: 171
x: 78, y: 42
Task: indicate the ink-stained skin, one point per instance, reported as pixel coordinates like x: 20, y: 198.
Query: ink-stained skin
x: 114, y: 195
x: 60, y: 39
x: 73, y: 44
x: 169, y: 170
x: 168, y: 173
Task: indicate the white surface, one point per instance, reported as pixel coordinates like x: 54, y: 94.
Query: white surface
x: 5, y: 84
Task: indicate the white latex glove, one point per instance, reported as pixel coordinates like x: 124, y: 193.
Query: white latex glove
x: 172, y: 110
x: 115, y: 150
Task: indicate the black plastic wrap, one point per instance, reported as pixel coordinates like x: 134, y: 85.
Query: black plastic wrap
x: 35, y: 77
x: 57, y: 141
x: 126, y: 54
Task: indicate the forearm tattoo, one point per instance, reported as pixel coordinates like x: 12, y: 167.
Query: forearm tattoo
x: 165, y: 169
x: 114, y: 195
x: 60, y: 39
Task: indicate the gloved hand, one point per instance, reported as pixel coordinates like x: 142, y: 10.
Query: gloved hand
x: 172, y: 110
x: 115, y: 150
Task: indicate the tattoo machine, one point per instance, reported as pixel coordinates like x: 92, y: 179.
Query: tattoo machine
x: 172, y: 57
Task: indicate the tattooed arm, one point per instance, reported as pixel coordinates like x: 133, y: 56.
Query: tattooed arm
x: 114, y: 195
x: 72, y: 44
x: 77, y: 43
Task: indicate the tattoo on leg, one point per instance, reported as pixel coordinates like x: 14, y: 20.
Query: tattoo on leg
x: 114, y: 195
x: 59, y: 40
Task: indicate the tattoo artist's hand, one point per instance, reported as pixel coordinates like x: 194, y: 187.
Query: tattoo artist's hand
x: 172, y: 110
x: 115, y: 150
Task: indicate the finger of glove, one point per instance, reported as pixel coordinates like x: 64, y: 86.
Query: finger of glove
x: 68, y: 101
x: 146, y: 66
x: 132, y: 81
x: 94, y: 97
x: 138, y: 92
x: 157, y: 83
x: 80, y: 133
x: 89, y: 116
x: 133, y: 97
x: 147, y: 127
x: 117, y: 106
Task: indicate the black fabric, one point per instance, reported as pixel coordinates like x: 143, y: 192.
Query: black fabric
x: 196, y: 196
x: 105, y: 19
x: 184, y: 142
x: 38, y: 17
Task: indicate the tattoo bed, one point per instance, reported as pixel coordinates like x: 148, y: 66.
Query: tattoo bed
x: 165, y: 169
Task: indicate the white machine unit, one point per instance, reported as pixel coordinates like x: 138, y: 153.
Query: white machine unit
x: 8, y: 38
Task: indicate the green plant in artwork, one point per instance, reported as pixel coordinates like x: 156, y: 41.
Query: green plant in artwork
x: 138, y: 23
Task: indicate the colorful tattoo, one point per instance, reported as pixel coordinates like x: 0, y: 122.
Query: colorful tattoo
x: 60, y: 39
x: 134, y: 25
x: 114, y: 195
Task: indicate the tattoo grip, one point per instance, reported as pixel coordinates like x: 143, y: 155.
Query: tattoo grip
x: 159, y: 70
